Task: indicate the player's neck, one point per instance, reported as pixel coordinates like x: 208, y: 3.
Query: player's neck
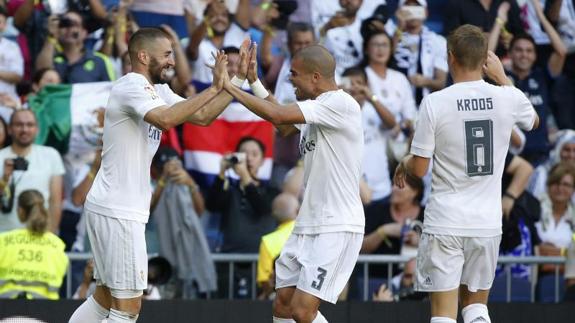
x: 142, y: 71
x: 466, y: 76
x: 325, y: 87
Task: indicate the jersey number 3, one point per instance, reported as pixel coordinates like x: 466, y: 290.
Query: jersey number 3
x: 479, y: 147
x: 320, y: 278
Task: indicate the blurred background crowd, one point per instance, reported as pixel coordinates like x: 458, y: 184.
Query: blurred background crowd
x: 234, y: 187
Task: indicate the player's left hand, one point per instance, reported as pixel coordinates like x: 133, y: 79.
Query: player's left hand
x: 400, y: 172
x: 418, y: 80
x: 244, y: 58
x: 219, y: 70
x: 253, y: 64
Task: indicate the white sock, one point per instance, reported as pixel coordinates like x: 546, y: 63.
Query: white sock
x: 117, y: 316
x: 439, y: 319
x: 89, y: 312
x: 319, y: 318
x: 281, y: 320
x: 475, y: 313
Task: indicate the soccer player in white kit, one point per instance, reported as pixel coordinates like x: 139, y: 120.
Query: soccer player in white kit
x: 465, y: 128
x: 117, y: 207
x: 319, y: 256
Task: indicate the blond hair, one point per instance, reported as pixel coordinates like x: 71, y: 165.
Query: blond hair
x: 468, y: 46
x: 35, y: 215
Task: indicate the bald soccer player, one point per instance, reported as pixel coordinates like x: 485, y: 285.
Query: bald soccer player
x: 140, y: 107
x: 319, y: 256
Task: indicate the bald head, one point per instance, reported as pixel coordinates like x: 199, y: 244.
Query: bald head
x: 316, y: 58
x: 144, y: 39
x: 285, y: 207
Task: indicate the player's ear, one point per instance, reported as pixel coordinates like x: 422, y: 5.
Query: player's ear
x: 143, y: 57
x: 316, y: 77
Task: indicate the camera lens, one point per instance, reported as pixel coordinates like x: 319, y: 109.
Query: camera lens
x: 234, y: 160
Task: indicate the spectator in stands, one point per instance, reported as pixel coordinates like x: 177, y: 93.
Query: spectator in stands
x: 330, y: 11
x: 391, y: 230
x: 5, y: 139
x: 391, y: 88
x: 32, y: 259
x: 564, y: 151
x: 520, y: 212
x: 26, y: 165
x: 557, y: 213
x: 342, y: 36
x: 218, y: 30
x: 535, y: 82
x: 420, y: 53
x: 114, y: 42
x: 483, y: 14
x: 11, y: 68
x: 65, y: 51
x: 401, y: 286
x: 245, y: 205
x: 562, y: 15
x: 376, y: 119
x: 41, y: 78
x: 153, y: 13
x: 533, y: 25
x: 284, y: 209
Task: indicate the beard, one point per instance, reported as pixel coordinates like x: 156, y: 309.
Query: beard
x: 156, y: 72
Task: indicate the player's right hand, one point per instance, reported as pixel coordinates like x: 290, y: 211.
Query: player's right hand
x: 253, y: 64
x: 244, y: 58
x: 494, y: 69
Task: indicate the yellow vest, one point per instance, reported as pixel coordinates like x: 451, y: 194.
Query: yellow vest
x: 270, y: 248
x: 33, y: 264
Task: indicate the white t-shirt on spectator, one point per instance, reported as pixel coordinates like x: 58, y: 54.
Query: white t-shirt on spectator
x: 323, y: 10
x: 394, y: 92
x: 165, y: 7
x: 566, y: 25
x: 332, y: 148
x: 233, y: 38
x: 375, y: 164
x: 466, y: 129
x: 10, y: 61
x: 345, y: 44
x: 122, y: 188
x: 43, y: 163
x: 284, y: 91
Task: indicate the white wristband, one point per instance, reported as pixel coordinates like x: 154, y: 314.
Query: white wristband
x: 259, y: 90
x: 237, y: 81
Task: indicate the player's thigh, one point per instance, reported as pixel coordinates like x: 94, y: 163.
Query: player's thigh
x: 282, y: 302
x: 103, y: 297
x: 480, y: 262
x: 439, y: 263
x: 328, y: 259
x: 287, y: 266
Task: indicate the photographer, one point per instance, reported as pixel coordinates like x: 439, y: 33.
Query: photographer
x: 65, y: 51
x: 28, y: 166
x: 245, y: 206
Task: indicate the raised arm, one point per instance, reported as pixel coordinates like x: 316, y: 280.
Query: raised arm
x: 557, y: 58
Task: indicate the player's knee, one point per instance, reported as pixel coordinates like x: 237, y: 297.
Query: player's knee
x: 476, y: 313
x: 302, y: 313
x: 281, y: 305
x: 129, y: 301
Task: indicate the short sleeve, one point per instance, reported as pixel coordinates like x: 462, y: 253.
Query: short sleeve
x: 523, y: 110
x: 320, y: 113
x: 423, y: 143
x: 440, y: 55
x: 168, y: 95
x: 56, y: 162
x: 139, y: 98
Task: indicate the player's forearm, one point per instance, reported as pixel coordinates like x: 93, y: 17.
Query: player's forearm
x: 183, y: 110
x: 209, y: 112
x: 10, y: 77
x: 262, y: 108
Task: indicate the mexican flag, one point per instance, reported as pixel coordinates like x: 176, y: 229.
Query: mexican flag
x: 68, y: 116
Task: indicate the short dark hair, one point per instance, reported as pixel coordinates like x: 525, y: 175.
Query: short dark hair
x: 231, y: 50
x: 39, y: 74
x: 22, y: 111
x: 298, y: 27
x: 355, y: 71
x: 245, y: 139
x: 521, y: 36
x: 143, y: 37
x: 468, y: 45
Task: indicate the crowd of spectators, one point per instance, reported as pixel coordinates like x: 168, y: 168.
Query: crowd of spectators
x: 389, y: 55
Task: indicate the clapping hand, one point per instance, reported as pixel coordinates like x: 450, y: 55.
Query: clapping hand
x: 253, y: 64
x: 244, y: 58
x: 219, y: 70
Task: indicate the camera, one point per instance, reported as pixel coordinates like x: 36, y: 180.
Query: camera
x: 235, y: 158
x: 20, y: 163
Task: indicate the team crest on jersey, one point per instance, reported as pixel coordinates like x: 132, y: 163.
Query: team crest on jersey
x: 151, y: 91
x: 533, y: 84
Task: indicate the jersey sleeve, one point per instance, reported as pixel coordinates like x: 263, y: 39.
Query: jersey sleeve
x: 140, y: 98
x: 523, y: 113
x: 316, y: 112
x: 423, y: 143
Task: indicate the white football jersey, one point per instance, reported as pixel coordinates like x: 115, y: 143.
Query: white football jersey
x: 122, y: 187
x: 332, y: 148
x: 466, y: 129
